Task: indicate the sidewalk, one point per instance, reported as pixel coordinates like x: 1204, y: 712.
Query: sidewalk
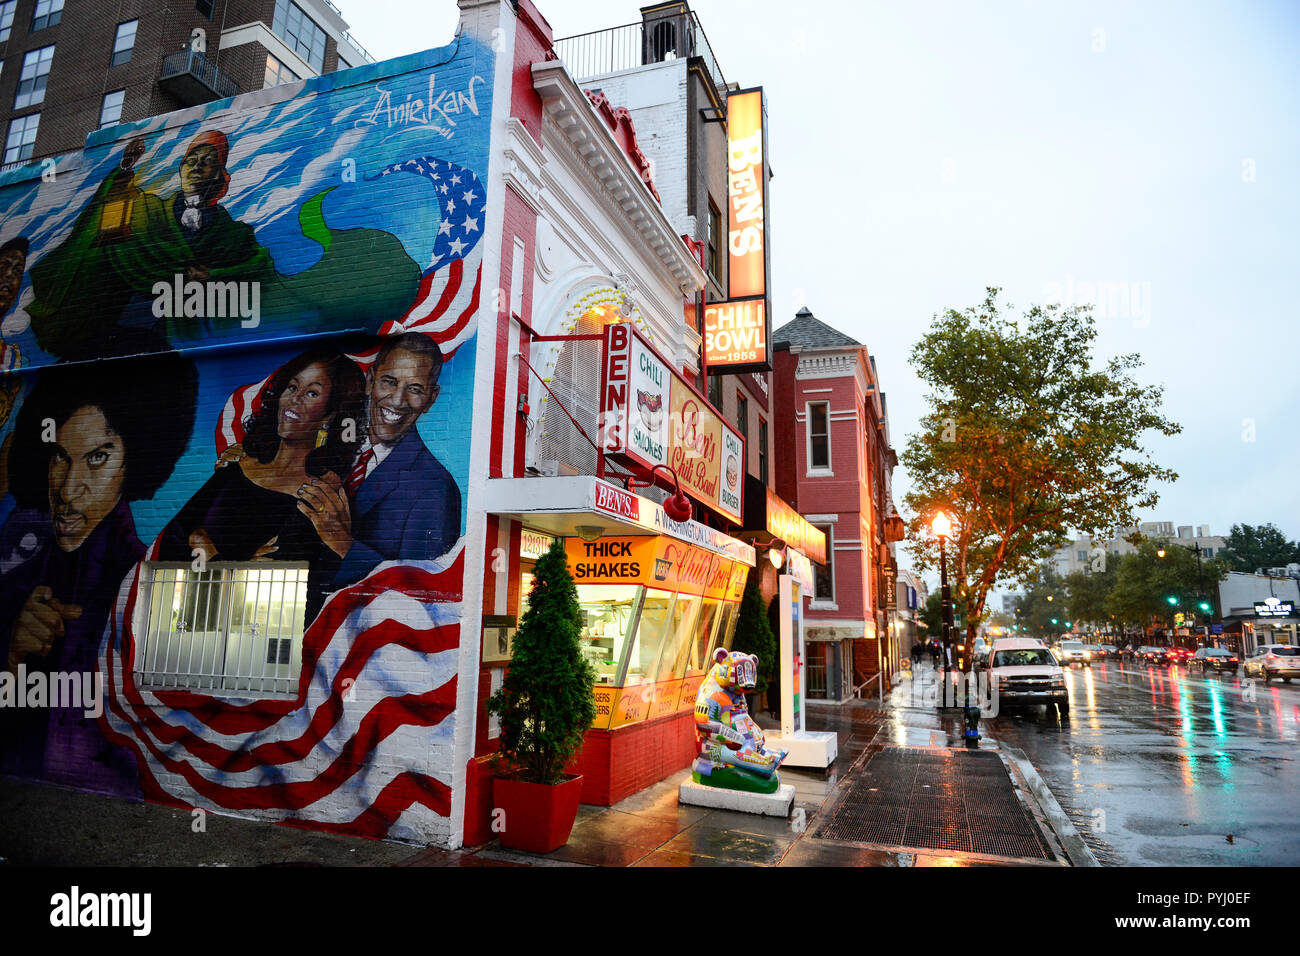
x: 49, y: 825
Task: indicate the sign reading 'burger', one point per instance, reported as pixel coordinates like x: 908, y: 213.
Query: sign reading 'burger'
x: 651, y: 416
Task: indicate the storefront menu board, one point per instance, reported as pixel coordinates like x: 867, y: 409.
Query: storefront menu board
x: 650, y: 415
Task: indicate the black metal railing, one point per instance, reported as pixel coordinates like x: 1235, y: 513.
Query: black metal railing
x: 626, y: 47
x: 195, y: 64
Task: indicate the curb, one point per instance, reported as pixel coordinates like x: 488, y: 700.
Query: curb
x: 1075, y: 848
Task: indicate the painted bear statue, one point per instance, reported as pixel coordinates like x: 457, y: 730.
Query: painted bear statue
x: 731, y: 751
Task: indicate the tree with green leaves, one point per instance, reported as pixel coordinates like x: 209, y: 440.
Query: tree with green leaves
x: 1026, y: 440
x: 1145, y: 581
x: 1252, y: 547
x: 1086, y: 594
x: 546, y: 702
x: 1043, y: 610
x: 754, y: 634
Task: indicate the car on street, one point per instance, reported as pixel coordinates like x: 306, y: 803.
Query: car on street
x: 1274, y: 660
x: 1105, y: 652
x: 1075, y: 652
x: 1025, y: 673
x: 1147, y: 654
x: 1178, y: 655
x: 1215, y: 659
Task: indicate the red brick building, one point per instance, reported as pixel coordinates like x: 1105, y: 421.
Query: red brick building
x: 834, y: 464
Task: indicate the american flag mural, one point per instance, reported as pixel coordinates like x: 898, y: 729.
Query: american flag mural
x: 349, y: 752
x: 448, y: 295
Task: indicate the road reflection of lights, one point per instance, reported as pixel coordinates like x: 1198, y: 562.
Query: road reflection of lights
x: 1216, y: 711
x: 1284, y: 731
x: 1091, y: 687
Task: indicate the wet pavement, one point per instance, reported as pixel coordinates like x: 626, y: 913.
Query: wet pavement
x: 1156, y: 767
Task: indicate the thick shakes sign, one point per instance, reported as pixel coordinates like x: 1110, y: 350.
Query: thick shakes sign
x: 650, y: 415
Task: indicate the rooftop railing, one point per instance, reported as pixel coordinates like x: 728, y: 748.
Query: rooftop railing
x: 627, y: 47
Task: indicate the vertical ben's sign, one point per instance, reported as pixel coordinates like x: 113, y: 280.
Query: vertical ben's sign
x: 738, y: 332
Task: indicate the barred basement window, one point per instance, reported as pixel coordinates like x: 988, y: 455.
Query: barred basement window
x: 233, y: 628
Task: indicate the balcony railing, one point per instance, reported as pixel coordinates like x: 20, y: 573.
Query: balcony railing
x: 192, y: 78
x: 657, y: 40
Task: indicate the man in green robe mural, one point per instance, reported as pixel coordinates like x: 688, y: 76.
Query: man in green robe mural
x: 127, y: 241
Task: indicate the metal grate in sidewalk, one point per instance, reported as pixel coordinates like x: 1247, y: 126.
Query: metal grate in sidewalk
x: 951, y: 800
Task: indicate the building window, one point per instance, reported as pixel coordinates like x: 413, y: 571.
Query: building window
x: 301, y: 33
x: 1083, y: 555
x: 22, y: 138
x: 230, y: 627
x: 124, y: 42
x: 742, y: 416
x: 111, y: 112
x: 715, y: 392
x: 819, y: 435
x: 36, y: 71
x: 762, y: 450
x: 277, y: 73
x: 824, y: 574
x: 204, y: 7
x: 715, y: 242
x: 6, y: 18
x: 48, y: 14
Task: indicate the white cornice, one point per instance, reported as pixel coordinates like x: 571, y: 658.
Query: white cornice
x: 569, y: 110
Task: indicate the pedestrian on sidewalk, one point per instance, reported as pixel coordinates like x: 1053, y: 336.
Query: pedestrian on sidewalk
x: 934, y: 654
x: 916, y: 655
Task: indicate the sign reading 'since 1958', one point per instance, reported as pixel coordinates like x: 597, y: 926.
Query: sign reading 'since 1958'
x: 650, y: 415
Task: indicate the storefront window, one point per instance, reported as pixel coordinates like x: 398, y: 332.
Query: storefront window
x: 681, y: 636
x: 656, y: 614
x: 697, y: 649
x: 726, y: 629
x: 607, y: 614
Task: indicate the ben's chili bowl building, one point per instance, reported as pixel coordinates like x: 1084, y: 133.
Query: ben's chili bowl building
x: 466, y: 224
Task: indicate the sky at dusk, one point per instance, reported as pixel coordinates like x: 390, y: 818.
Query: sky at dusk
x: 925, y: 150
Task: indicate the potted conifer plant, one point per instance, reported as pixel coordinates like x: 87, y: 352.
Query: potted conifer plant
x: 546, y: 704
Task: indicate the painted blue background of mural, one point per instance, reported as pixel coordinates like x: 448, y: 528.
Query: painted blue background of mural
x: 338, y: 191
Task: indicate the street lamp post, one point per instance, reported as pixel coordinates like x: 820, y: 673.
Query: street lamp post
x: 943, y: 528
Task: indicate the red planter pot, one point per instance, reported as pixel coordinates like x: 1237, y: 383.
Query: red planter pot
x: 538, y: 817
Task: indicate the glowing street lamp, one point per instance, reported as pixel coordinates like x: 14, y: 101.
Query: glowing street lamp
x: 942, y: 527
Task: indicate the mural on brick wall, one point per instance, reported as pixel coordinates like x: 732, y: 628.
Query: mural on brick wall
x: 235, y: 406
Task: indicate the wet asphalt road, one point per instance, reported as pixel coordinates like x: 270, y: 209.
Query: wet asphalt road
x: 1158, y: 767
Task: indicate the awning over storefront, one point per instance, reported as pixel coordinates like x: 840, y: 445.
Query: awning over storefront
x: 588, y: 507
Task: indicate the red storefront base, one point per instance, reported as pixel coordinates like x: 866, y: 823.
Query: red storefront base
x: 618, y: 763
x: 614, y: 764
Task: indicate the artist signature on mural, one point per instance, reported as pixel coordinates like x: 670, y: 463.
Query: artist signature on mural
x: 435, y: 113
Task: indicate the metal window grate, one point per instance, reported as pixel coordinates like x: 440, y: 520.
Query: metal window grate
x: 575, y: 380
x: 229, y: 628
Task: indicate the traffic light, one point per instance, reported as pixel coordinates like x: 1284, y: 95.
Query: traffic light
x: 1172, y: 599
x: 1204, y: 606
x: 1053, y: 620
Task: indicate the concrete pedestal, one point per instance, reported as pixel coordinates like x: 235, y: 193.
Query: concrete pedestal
x: 777, y: 804
x: 806, y: 748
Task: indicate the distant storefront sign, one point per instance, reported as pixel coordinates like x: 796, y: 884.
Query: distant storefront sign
x: 1274, y: 608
